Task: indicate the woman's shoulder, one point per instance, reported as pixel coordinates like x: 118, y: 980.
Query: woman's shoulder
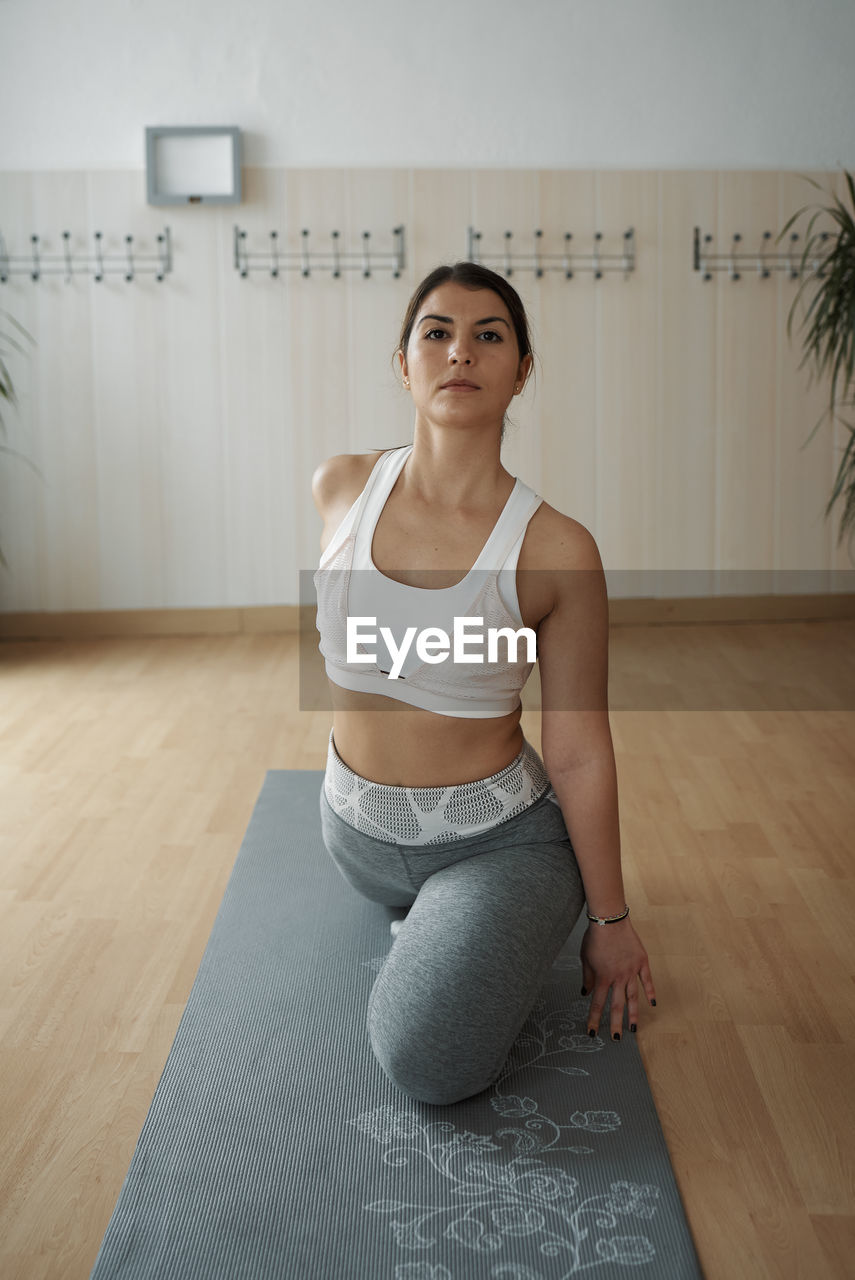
x: 556, y: 541
x: 338, y: 481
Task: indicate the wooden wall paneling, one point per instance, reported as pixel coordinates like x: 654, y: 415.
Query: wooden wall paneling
x: 627, y: 332
x: 66, y: 405
x: 318, y: 321
x: 177, y: 424
x: 684, y: 427
x: 192, y: 440
x: 746, y: 480
x: 124, y: 500
x: 441, y: 212
x: 380, y: 408
x: 279, y: 440
x: 288, y: 353
x: 22, y: 491
x: 802, y: 531
x: 503, y: 201
x: 565, y: 391
x: 148, y: 361
x: 254, y: 380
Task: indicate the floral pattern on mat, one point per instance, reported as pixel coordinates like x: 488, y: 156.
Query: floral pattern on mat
x: 503, y: 1185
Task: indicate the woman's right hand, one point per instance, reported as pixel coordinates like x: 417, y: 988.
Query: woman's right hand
x: 613, y: 959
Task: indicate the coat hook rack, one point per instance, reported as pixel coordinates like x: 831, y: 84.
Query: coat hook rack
x: 305, y: 260
x: 540, y: 262
x: 764, y: 263
x: 98, y: 265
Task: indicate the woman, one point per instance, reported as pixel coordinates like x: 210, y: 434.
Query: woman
x: 441, y: 805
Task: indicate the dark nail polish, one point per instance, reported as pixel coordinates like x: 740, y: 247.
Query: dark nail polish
x: 591, y: 1032
x: 653, y: 1002
x: 633, y: 1027
x: 584, y: 991
x: 616, y: 1036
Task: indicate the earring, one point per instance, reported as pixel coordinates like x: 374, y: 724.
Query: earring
x: 406, y: 382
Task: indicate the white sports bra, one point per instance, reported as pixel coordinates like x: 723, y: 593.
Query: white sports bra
x: 349, y: 584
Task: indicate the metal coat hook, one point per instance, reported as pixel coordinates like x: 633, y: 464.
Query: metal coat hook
x: 38, y: 264
x: 539, y: 262
x: 763, y: 262
x: 306, y: 260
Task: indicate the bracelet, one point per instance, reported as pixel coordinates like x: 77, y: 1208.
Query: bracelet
x: 608, y: 919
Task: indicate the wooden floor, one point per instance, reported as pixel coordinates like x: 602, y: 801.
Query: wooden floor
x: 128, y: 773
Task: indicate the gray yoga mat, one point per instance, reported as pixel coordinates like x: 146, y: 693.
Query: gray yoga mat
x: 276, y: 1147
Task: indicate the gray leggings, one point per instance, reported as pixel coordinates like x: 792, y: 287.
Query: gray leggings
x: 488, y: 916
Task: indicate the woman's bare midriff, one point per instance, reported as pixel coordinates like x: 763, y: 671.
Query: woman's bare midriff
x: 390, y: 741
x: 405, y: 746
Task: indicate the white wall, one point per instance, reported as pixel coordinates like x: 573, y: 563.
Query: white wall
x: 623, y: 84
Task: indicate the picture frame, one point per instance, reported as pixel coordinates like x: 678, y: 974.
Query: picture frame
x: 193, y: 164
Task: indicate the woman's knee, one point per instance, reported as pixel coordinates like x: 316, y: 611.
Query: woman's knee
x: 433, y: 1064
x: 425, y: 1077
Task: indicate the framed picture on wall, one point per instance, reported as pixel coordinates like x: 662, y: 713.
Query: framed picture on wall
x: 193, y: 164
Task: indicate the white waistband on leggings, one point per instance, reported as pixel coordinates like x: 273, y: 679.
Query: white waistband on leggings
x: 434, y: 815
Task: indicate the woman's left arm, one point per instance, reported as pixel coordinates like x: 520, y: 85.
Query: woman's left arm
x: 577, y: 749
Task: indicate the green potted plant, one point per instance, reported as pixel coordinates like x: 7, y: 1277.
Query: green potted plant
x: 7, y: 392
x: 831, y: 337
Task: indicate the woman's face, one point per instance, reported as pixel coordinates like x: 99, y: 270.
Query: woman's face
x: 468, y: 334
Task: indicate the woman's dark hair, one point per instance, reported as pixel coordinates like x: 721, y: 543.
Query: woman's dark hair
x: 472, y: 276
